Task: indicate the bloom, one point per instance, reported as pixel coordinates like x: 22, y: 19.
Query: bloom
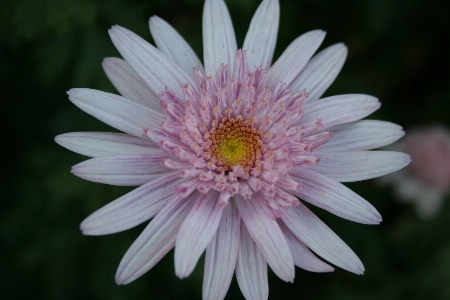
x: 426, y: 181
x: 221, y: 152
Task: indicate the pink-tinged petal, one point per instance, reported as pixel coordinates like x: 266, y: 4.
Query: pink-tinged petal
x: 155, y: 241
x: 267, y: 235
x: 219, y: 41
x: 262, y: 35
x: 251, y: 269
x: 155, y: 69
x: 320, y: 72
x: 133, y: 208
x: 294, y: 58
x: 353, y: 166
x: 340, y: 109
x: 302, y: 256
x: 196, y: 233
x: 125, y: 170
x: 128, y: 83
x: 170, y: 42
x: 320, y: 238
x: 116, y: 111
x: 97, y: 144
x: 334, y: 197
x: 221, y: 255
x: 363, y: 135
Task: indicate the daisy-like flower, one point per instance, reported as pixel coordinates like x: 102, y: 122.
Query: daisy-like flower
x: 223, y: 151
x: 426, y: 181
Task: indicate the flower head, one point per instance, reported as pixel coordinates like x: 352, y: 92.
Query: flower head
x: 426, y: 181
x: 224, y: 151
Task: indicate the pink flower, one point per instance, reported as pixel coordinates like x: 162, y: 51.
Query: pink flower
x: 426, y: 181
x: 222, y: 151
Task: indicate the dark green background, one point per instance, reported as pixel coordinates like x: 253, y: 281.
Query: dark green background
x: 398, y: 51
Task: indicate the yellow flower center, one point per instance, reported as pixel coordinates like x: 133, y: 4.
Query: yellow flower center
x: 233, y: 142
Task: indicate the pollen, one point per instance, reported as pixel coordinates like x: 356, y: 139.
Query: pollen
x: 233, y: 142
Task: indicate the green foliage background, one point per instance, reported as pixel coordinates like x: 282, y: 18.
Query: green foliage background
x: 398, y: 51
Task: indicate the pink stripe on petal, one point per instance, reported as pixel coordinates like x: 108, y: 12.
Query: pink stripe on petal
x: 267, y: 235
x: 363, y: 135
x: 338, y: 110
x: 155, y: 69
x: 221, y: 255
x: 219, y: 41
x: 303, y: 257
x: 155, y: 241
x: 320, y: 238
x: 122, y: 170
x: 334, y: 197
x: 98, y: 144
x: 294, y: 58
x: 261, y: 37
x: 353, y: 166
x: 251, y: 269
x: 170, y: 42
x: 133, y: 208
x: 116, y: 111
x: 128, y: 83
x: 196, y: 233
x: 320, y: 72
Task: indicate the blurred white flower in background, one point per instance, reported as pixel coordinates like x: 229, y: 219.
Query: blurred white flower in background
x: 426, y: 181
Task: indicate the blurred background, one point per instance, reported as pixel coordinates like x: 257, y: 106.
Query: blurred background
x: 398, y: 51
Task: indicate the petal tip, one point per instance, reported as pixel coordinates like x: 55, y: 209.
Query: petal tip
x: 318, y: 32
x: 180, y: 273
x: 57, y: 139
x: 154, y: 19
x: 84, y: 230
x: 329, y: 269
x: 114, y: 30
x: 120, y: 281
x: 72, y: 91
x: 107, y: 60
x: 377, y: 219
x: 407, y: 156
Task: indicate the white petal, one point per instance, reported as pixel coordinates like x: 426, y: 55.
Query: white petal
x: 155, y: 241
x: 262, y: 34
x: 221, y: 255
x: 340, y: 109
x: 320, y: 72
x: 320, y: 238
x: 116, y: 111
x: 251, y: 269
x: 128, y: 83
x: 334, y: 197
x: 358, y: 165
x: 196, y: 233
x: 125, y: 170
x: 363, y: 135
x: 155, y: 69
x: 97, y: 144
x: 303, y: 257
x: 294, y: 58
x: 170, y: 42
x: 133, y: 208
x: 267, y: 235
x: 219, y: 41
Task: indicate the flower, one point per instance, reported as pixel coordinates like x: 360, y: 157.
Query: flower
x: 426, y: 181
x: 222, y: 151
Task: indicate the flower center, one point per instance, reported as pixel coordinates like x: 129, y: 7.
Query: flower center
x: 233, y: 142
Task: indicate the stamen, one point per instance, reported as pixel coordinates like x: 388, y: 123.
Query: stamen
x: 233, y: 142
